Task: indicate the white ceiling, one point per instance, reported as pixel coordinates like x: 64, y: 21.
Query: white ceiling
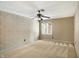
x: 54, y: 9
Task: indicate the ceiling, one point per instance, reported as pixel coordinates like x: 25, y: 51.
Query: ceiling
x: 54, y: 9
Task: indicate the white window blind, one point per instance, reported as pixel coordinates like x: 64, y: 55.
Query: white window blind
x: 46, y: 28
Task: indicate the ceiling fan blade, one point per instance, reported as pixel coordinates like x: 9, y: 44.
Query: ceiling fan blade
x: 45, y: 16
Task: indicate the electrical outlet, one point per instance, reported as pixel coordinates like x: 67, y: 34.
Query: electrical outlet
x: 24, y: 40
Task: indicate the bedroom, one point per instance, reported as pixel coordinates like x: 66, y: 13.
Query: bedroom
x: 24, y: 34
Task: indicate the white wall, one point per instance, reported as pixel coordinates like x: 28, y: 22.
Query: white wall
x: 14, y: 29
x: 76, y: 32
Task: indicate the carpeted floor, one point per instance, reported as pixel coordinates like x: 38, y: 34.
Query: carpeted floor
x: 43, y: 49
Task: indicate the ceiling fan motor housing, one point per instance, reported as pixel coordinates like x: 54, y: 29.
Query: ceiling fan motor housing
x: 39, y: 15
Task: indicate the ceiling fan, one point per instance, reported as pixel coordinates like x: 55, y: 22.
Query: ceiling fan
x: 41, y: 16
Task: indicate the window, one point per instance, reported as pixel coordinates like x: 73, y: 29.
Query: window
x: 46, y: 28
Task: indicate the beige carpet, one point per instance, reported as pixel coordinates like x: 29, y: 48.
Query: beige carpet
x: 43, y: 49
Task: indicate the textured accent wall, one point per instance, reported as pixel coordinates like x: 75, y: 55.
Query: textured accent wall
x: 15, y: 31
x: 63, y: 29
x: 76, y: 32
